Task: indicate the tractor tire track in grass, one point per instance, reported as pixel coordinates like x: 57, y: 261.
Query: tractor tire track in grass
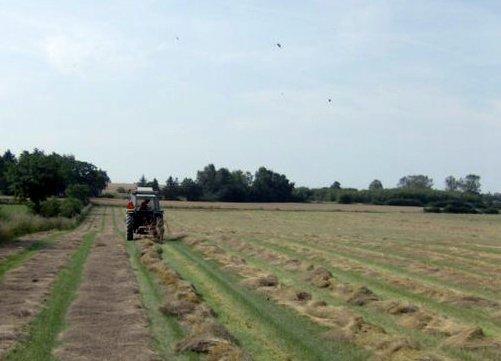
x: 165, y: 329
x: 106, y: 321
x: 266, y: 330
x: 26, y: 289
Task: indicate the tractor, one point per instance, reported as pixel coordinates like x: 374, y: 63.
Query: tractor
x: 143, y: 214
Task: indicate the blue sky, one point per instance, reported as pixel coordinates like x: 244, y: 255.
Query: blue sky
x: 165, y: 87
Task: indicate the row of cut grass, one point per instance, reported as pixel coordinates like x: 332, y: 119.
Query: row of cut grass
x: 266, y: 330
x: 387, y: 322
x: 387, y: 290
x: 164, y: 329
x: 43, y: 331
x: 387, y: 267
x: 16, y: 259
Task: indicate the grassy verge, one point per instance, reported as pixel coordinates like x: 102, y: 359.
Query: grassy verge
x: 266, y: 330
x: 164, y: 329
x: 16, y: 221
x: 42, y: 333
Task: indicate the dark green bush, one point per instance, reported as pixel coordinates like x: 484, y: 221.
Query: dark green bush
x: 404, y: 202
x: 107, y: 195
x: 459, y: 207
x: 121, y: 190
x: 79, y: 191
x: 345, y: 198
x: 50, y: 207
x: 491, y: 211
x: 70, y: 207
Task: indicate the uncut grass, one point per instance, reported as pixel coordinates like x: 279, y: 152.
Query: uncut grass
x: 42, y: 333
x: 165, y: 330
x: 387, y: 322
x: 267, y: 331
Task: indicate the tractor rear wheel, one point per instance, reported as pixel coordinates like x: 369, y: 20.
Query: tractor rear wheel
x: 129, y: 223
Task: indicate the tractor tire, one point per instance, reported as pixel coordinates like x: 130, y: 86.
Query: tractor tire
x: 160, y: 229
x: 129, y: 224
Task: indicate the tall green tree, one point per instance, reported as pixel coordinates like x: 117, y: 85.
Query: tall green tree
x: 269, y: 186
x: 191, y: 190
x: 452, y: 184
x: 470, y: 184
x: 36, y: 177
x: 142, y: 181
x: 416, y: 182
x: 7, y: 160
x: 375, y: 185
x: 171, y: 190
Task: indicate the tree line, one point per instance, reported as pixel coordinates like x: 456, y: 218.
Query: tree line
x: 212, y: 184
x: 36, y: 176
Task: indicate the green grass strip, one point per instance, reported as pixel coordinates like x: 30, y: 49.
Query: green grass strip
x: 15, y: 260
x: 42, y: 333
x: 266, y: 330
x: 164, y: 329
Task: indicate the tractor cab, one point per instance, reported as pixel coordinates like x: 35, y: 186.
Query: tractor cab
x: 144, y: 199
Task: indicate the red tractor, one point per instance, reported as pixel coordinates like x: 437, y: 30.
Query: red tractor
x: 144, y: 215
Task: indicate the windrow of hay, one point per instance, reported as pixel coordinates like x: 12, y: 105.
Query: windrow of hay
x: 24, y: 289
x: 203, y: 332
x: 425, y: 320
x: 344, y: 324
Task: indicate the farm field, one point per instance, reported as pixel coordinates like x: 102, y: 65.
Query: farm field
x: 257, y: 285
x: 403, y: 286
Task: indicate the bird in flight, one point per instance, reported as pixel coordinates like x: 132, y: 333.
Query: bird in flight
x: 279, y: 45
x: 177, y: 37
x: 329, y: 100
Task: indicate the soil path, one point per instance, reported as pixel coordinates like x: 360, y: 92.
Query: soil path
x: 24, y: 289
x: 107, y: 321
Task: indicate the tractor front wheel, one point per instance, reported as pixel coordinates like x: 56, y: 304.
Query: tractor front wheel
x: 129, y: 223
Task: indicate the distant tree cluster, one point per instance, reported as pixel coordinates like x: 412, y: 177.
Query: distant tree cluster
x: 221, y: 184
x: 212, y: 184
x: 461, y: 195
x: 36, y: 176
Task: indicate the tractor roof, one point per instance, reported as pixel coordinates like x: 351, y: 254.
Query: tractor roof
x: 144, y: 191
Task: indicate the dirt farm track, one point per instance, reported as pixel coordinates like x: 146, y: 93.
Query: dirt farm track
x: 257, y: 282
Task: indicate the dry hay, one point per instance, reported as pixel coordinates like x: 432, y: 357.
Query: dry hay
x: 204, y: 333
x: 320, y: 277
x: 361, y: 296
x: 394, y: 307
x: 261, y: 281
x: 25, y: 288
x: 471, y: 338
x: 106, y: 320
x: 470, y: 301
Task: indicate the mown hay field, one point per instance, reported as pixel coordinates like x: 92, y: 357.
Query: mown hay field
x: 398, y: 286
